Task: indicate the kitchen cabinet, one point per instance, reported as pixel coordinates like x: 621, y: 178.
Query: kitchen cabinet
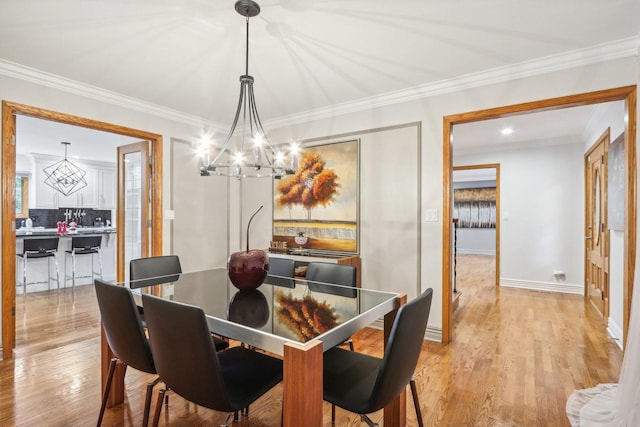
x: 107, y: 189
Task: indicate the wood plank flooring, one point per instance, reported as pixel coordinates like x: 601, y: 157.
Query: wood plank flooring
x: 516, y: 357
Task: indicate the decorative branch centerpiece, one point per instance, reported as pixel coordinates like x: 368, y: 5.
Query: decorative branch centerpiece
x: 248, y: 269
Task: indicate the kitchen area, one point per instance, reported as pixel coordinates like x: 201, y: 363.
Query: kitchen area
x: 66, y: 187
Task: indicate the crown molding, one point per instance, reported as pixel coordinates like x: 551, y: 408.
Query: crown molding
x: 580, y: 57
x: 42, y: 78
x: 622, y: 48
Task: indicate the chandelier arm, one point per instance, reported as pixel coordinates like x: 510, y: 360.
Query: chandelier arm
x: 245, y: 109
x: 233, y: 126
x: 259, y: 122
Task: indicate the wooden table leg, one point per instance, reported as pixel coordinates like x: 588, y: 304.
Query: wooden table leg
x: 395, y: 413
x: 116, y: 396
x: 302, y: 400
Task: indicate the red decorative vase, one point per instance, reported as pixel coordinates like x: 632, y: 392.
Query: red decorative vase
x: 247, y: 270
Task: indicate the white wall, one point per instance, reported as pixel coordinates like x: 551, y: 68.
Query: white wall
x: 429, y: 111
x: 542, y: 216
x: 200, y: 206
x: 479, y: 241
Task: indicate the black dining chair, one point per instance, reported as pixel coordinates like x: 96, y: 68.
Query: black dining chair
x: 156, y: 270
x: 126, y: 337
x: 364, y: 384
x: 281, y: 267
x: 319, y: 274
x: 190, y: 366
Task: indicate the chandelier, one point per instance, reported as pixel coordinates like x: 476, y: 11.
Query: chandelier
x: 64, y: 176
x: 249, y: 154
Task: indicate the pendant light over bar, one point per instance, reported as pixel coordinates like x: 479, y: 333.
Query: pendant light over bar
x: 64, y: 176
x: 247, y: 154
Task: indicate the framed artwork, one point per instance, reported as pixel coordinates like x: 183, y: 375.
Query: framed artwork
x: 475, y: 207
x: 616, y: 185
x: 317, y: 208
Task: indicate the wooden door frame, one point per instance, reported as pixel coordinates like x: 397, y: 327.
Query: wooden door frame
x: 628, y: 94
x: 495, y: 166
x: 9, y: 112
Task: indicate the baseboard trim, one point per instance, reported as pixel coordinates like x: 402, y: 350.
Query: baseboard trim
x: 615, y: 332
x: 476, y: 251
x: 565, y: 288
x: 431, y: 334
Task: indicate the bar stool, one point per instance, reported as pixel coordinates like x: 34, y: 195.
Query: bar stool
x: 39, y: 249
x: 83, y: 245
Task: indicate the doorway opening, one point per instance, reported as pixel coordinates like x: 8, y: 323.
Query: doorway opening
x: 476, y: 228
x: 625, y: 94
x: 10, y: 111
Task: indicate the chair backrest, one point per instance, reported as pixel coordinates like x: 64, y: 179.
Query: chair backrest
x: 86, y: 242
x: 184, y: 352
x: 123, y: 327
x: 154, y: 270
x: 327, y: 272
x: 283, y: 267
x: 403, y: 350
x: 49, y: 244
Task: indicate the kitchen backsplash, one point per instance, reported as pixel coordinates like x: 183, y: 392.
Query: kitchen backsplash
x: 48, y: 218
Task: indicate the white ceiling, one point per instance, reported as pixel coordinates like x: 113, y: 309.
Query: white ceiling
x: 46, y: 137
x: 553, y: 127
x: 305, y: 55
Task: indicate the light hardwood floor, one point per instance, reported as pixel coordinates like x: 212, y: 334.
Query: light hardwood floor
x: 516, y: 357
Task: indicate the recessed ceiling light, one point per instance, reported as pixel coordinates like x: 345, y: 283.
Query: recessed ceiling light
x: 507, y: 131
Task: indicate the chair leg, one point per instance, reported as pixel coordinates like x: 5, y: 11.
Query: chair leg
x: 333, y: 414
x: 64, y: 276
x: 100, y: 261
x: 24, y: 279
x: 73, y: 272
x: 228, y: 419
x: 350, y: 342
x: 368, y: 420
x: 48, y: 273
x: 156, y: 413
x: 147, y: 401
x: 55, y: 261
x: 92, y: 268
x: 107, y: 389
x: 416, y: 402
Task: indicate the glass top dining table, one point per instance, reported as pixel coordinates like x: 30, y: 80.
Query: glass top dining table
x: 293, y: 318
x: 282, y: 310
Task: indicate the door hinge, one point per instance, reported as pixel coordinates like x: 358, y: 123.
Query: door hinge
x: 13, y: 140
x: 149, y: 223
